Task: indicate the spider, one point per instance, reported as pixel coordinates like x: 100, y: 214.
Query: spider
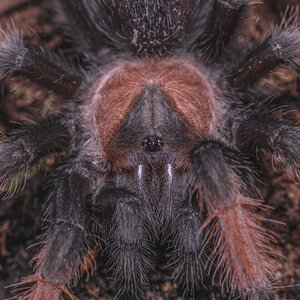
x: 159, y: 128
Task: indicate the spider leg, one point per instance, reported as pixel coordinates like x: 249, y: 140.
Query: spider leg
x: 38, y: 66
x: 222, y: 20
x: 80, y: 19
x: 21, y: 151
x: 278, y: 136
x: 241, y: 250
x: 281, y: 47
x: 129, y: 239
x: 130, y: 248
x: 186, y: 256
x: 66, y: 242
x: 104, y: 206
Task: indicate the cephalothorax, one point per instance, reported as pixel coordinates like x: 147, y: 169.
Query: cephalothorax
x: 158, y: 125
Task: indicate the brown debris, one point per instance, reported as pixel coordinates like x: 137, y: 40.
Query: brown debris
x: 3, y: 249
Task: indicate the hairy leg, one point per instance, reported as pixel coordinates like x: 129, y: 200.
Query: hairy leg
x: 128, y: 242
x: 38, y: 66
x: 128, y: 235
x: 281, y: 47
x: 241, y: 250
x: 282, y: 138
x: 222, y: 21
x: 187, y: 256
x: 21, y: 151
x: 130, y: 248
x: 66, y: 242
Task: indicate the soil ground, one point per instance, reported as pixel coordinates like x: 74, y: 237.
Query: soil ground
x: 20, y: 216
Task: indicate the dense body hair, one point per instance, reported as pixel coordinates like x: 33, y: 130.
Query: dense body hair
x: 146, y: 28
x: 158, y: 130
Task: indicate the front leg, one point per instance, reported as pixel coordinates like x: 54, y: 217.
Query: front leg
x: 61, y: 261
x: 187, y: 248
x: 126, y: 223
x: 240, y: 243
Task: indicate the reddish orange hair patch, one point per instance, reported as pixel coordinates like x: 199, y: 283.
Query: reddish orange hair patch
x: 186, y: 91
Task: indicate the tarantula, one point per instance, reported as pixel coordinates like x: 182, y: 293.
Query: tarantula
x: 158, y: 129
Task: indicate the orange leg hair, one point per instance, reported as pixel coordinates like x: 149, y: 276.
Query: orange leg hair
x: 241, y: 255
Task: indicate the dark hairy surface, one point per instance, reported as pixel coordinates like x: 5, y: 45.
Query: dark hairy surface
x: 252, y: 127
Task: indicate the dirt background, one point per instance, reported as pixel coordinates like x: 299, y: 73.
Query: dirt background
x: 20, y: 216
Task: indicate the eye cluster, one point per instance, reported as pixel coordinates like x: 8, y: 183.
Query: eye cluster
x: 159, y: 130
x: 152, y: 143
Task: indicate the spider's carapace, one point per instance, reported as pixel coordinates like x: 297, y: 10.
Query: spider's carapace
x: 148, y: 83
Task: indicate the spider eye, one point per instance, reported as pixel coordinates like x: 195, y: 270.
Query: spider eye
x: 152, y: 143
